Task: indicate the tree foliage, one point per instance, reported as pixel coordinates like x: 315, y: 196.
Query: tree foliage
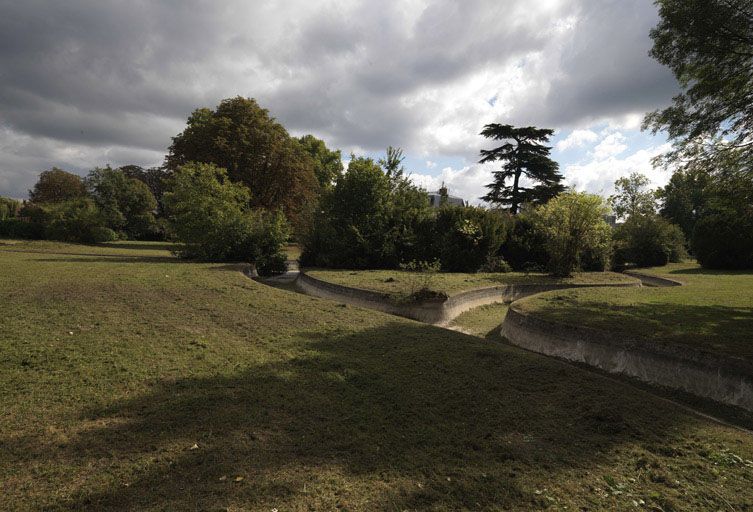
x: 524, y: 154
x: 256, y: 151
x: 632, y: 196
x: 212, y: 216
x: 126, y: 204
x: 328, y: 163
x: 153, y: 177
x: 648, y: 240
x: 574, y: 226
x: 9, y: 208
x: 685, y: 197
x: 708, y: 45
x: 57, y: 185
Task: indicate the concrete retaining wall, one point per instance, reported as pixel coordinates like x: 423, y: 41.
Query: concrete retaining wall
x: 724, y: 379
x: 656, y: 281
x: 437, y: 312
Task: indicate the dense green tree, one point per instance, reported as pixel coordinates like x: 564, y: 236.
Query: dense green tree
x: 212, y: 216
x: 648, y: 240
x: 126, y: 204
x: 684, y: 198
x: 255, y: 149
x: 708, y: 45
x: 57, y: 185
x: 153, y: 177
x: 574, y: 225
x: 392, y: 163
x: 328, y: 163
x: 632, y: 196
x: 524, y: 153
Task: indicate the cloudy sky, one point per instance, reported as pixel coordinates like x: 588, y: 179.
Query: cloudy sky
x: 87, y: 83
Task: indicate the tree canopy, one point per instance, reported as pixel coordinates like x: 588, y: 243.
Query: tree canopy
x: 256, y: 150
x: 708, y: 45
x: 632, y: 196
x: 56, y: 186
x: 126, y: 204
x: 328, y: 163
x: 524, y: 153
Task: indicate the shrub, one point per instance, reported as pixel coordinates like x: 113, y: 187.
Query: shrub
x: 724, y: 240
x: 19, y: 228
x: 525, y: 248
x: 467, y: 237
x: 101, y: 234
x: 648, y: 241
x: 574, y: 225
x: 211, y: 216
x: 72, y: 221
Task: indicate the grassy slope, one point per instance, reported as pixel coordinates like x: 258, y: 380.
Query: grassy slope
x: 713, y: 311
x: 298, y: 403
x: 398, y: 283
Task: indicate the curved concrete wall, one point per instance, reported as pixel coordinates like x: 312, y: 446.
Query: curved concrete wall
x: 724, y: 379
x: 437, y: 312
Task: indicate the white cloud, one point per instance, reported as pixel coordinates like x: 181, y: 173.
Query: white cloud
x: 576, y: 139
x: 612, y: 145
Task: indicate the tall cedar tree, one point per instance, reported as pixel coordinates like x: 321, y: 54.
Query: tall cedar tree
x: 255, y: 149
x: 524, y: 153
x: 708, y: 45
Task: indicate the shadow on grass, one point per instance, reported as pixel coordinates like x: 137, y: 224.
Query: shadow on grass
x: 142, y: 246
x: 711, y: 272
x: 386, y: 408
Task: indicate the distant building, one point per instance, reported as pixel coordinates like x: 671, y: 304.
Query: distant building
x: 441, y: 197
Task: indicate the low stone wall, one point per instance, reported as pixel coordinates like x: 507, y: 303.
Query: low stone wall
x: 437, y: 312
x: 724, y: 379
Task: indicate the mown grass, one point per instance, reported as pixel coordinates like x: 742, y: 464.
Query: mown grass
x: 712, y: 312
x: 397, y: 283
x: 130, y: 380
x: 482, y: 321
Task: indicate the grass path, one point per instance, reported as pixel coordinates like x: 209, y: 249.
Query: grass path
x: 130, y: 380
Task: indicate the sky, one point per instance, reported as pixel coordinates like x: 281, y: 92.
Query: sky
x: 92, y: 83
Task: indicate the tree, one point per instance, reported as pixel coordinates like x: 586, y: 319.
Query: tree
x: 632, y: 196
x: 328, y: 163
x: 255, y: 149
x: 574, y: 225
x: 685, y: 197
x: 126, y: 204
x: 57, y: 185
x: 212, y: 216
x: 648, y: 240
x: 708, y: 45
x: 9, y: 208
x: 524, y: 154
x: 153, y: 177
x: 392, y: 164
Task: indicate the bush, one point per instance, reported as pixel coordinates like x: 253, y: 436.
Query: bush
x: 101, y: 234
x: 467, y: 237
x: 525, y: 248
x: 575, y: 229
x: 648, y: 241
x: 18, y: 228
x: 210, y: 215
x: 724, y: 240
x: 72, y: 221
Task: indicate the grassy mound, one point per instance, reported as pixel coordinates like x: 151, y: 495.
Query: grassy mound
x: 713, y: 311
x: 400, y: 284
x: 130, y: 380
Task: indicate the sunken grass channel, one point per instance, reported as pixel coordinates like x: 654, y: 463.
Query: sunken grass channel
x: 130, y: 380
x: 712, y: 312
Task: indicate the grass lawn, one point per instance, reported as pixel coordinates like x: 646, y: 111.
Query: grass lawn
x: 400, y: 284
x: 482, y: 321
x: 130, y: 380
x: 713, y: 311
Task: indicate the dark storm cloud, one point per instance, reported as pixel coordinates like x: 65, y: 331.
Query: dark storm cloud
x: 85, y: 80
